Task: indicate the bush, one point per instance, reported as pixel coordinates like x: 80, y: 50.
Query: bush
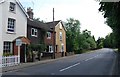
x: 7, y: 54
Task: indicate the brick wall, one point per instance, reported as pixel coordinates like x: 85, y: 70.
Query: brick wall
x: 49, y: 41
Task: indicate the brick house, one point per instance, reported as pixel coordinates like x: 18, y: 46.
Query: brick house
x: 37, y: 32
x: 59, y: 37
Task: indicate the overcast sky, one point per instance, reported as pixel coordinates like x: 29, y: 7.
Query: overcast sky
x: 86, y: 11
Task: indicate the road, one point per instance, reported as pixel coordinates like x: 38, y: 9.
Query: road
x: 99, y: 62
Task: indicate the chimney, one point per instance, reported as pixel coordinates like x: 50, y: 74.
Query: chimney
x: 30, y: 12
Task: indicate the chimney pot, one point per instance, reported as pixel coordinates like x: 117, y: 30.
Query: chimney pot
x: 30, y: 12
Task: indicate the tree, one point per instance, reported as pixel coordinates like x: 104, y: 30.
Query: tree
x: 109, y: 41
x: 77, y: 41
x: 111, y: 11
x: 73, y: 30
x: 100, y: 42
x: 88, y: 40
x: 92, y: 42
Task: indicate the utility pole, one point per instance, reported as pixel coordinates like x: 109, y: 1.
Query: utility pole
x: 53, y: 36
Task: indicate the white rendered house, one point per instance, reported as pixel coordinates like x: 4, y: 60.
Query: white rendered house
x: 13, y: 24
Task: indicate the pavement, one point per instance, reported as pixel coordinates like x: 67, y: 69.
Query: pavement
x: 29, y: 64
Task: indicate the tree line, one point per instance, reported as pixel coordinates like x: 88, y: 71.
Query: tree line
x: 79, y: 42
x: 76, y: 40
x: 111, y: 11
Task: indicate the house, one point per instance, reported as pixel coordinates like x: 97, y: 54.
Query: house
x: 49, y: 40
x: 59, y: 37
x: 37, y: 31
x: 13, y: 27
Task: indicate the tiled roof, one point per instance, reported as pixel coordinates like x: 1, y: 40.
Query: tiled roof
x: 38, y: 24
x: 51, y: 25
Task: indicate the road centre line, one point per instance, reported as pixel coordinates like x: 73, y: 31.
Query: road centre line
x: 77, y: 63
x: 69, y: 67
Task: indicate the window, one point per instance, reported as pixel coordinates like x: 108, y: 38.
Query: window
x: 48, y: 35
x: 62, y: 48
x: 50, y: 49
x: 60, y: 36
x: 7, y: 47
x: 11, y: 25
x: 12, y: 7
x: 34, y: 32
x: 60, y: 26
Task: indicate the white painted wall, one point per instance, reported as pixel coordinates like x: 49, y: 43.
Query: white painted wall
x: 21, y: 22
x: 1, y: 42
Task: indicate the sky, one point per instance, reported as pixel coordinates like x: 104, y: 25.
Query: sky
x: 86, y: 11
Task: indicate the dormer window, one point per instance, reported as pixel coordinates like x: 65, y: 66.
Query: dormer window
x: 12, y: 7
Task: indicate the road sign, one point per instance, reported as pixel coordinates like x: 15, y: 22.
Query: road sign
x: 18, y: 42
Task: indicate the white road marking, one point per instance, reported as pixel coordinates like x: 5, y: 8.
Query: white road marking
x: 92, y: 57
x: 77, y: 63
x: 89, y: 58
x: 69, y: 67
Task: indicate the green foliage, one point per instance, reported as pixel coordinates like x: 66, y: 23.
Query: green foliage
x: 109, y: 41
x: 92, y: 42
x: 77, y: 41
x: 7, y: 54
x: 34, y: 47
x: 100, y: 43
x: 73, y: 30
x: 111, y: 11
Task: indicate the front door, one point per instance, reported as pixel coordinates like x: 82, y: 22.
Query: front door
x: 22, y: 53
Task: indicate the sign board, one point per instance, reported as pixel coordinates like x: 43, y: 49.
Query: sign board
x: 18, y: 42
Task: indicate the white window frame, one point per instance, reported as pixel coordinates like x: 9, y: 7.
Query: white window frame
x: 50, y: 49
x: 12, y: 7
x: 7, y: 46
x: 11, y: 25
x: 62, y: 48
x: 34, y: 33
x: 60, y: 36
x: 48, y: 35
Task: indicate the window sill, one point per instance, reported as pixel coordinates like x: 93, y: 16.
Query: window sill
x: 34, y: 36
x: 48, y: 37
x: 10, y: 32
x: 12, y: 12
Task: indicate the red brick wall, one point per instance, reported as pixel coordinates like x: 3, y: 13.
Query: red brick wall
x: 15, y: 49
x: 49, y: 41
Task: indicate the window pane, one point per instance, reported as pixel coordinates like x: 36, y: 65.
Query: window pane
x: 33, y: 32
x: 11, y: 25
x: 12, y: 6
x: 7, y: 46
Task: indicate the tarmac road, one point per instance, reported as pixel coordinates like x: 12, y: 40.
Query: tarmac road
x: 99, y: 62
